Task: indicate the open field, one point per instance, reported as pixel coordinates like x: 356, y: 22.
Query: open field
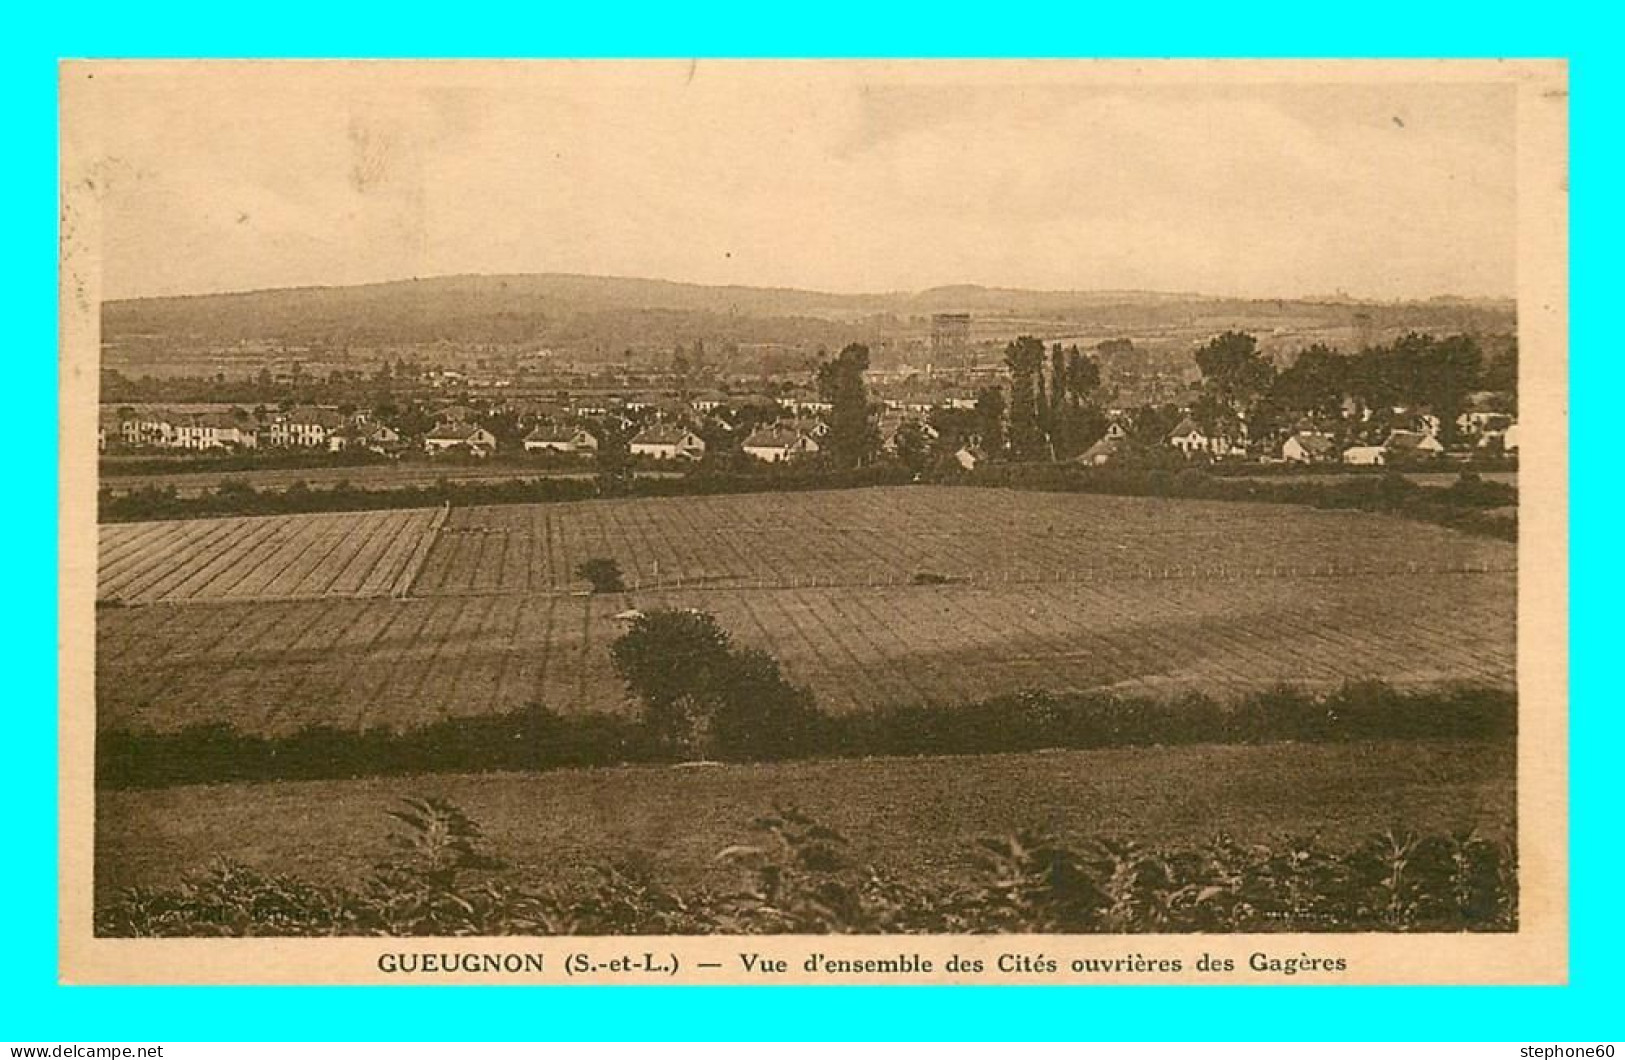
x: 264, y: 558
x: 888, y: 535
x: 276, y: 667
x: 267, y: 623
x: 920, y: 815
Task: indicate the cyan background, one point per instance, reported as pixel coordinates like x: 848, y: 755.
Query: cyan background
x: 33, y: 1008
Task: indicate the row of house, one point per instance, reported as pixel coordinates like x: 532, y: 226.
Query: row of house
x: 1407, y: 447
x: 229, y: 429
x: 1314, y: 443
x: 776, y: 443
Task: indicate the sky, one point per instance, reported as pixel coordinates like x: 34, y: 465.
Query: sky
x: 838, y: 177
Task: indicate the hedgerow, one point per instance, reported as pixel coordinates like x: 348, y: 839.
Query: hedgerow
x: 1462, y: 506
x: 540, y: 739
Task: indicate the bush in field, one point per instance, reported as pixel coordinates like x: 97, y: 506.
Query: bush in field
x: 800, y: 877
x: 603, y: 574
x: 702, y: 696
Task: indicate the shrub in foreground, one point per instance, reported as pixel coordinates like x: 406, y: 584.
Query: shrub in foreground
x: 798, y: 876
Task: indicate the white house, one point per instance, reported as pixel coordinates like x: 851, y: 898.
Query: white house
x: 215, y: 430
x: 667, y: 442
x: 811, y: 426
x: 775, y: 445
x: 1102, y: 452
x: 969, y: 456
x: 109, y: 424
x: 1306, y: 448
x: 1365, y: 455
x: 1412, y: 444
x: 1188, y: 438
x: 803, y: 405
x: 709, y: 401
x: 571, y: 440
x: 891, y: 425
x: 373, y: 437
x: 149, y: 428
x: 449, y: 437
x: 307, y: 427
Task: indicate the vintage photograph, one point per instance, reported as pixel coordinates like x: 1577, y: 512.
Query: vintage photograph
x: 714, y: 498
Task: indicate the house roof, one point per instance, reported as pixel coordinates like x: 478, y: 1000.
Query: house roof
x: 554, y: 433
x: 1186, y: 426
x: 665, y: 434
x: 1104, y: 447
x: 454, y: 432
x: 778, y: 437
x: 315, y: 417
x: 229, y: 417
x: 366, y: 431
x: 1405, y: 440
x: 1318, y: 444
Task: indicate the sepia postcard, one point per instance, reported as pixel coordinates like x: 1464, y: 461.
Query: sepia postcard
x: 814, y: 522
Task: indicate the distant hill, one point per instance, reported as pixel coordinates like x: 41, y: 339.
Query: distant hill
x: 610, y: 313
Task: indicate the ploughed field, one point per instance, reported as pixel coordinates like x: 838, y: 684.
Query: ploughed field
x: 277, y: 557
x: 393, y: 619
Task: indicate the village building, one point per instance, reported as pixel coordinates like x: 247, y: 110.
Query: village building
x: 1305, y: 448
x: 1188, y: 438
x: 460, y: 437
x: 1365, y: 455
x: 1412, y: 445
x: 666, y: 442
x: 1410, y: 421
x: 575, y: 441
x: 148, y: 428
x: 1191, y: 439
x: 367, y: 436
x: 455, y: 414
x: 805, y: 405
x: 774, y: 445
x: 710, y: 401
x: 109, y: 425
x: 1482, y: 423
x: 215, y: 430
x: 890, y: 428
x: 307, y: 427
x: 1102, y: 452
x: 811, y: 426
x: 969, y: 457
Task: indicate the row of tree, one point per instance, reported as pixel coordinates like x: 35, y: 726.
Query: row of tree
x: 1416, y: 371
x: 1052, y: 408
